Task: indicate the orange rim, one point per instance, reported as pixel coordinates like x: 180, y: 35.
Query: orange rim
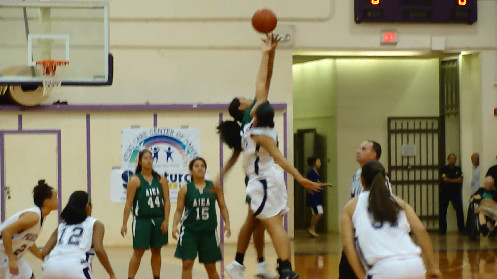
x: 50, y: 66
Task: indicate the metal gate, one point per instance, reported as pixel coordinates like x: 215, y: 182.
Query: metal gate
x: 414, y: 163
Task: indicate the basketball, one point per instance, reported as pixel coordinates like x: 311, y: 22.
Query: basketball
x: 264, y: 21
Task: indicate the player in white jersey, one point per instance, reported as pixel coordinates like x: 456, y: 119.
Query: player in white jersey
x: 70, y: 249
x: 375, y: 230
x: 266, y: 185
x: 20, y: 231
x: 369, y: 150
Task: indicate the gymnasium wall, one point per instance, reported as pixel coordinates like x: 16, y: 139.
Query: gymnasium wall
x: 93, y: 139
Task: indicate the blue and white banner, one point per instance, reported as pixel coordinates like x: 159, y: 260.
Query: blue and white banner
x: 172, y: 149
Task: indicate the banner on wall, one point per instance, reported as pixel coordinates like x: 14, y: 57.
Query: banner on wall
x: 171, y: 149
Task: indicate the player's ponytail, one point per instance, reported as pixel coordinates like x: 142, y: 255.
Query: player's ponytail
x: 381, y: 203
x: 75, y: 210
x: 229, y: 131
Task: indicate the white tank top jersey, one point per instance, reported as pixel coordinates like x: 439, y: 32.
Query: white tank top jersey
x: 21, y: 242
x: 74, y: 242
x: 256, y: 160
x: 377, y: 241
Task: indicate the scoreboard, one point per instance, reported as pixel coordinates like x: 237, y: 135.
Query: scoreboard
x: 435, y: 11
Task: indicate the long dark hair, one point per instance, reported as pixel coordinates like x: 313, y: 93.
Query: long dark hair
x: 234, y: 111
x: 41, y: 192
x: 75, y: 210
x: 139, y: 166
x: 265, y: 115
x: 229, y: 131
x: 381, y: 203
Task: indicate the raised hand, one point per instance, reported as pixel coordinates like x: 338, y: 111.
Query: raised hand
x: 270, y: 42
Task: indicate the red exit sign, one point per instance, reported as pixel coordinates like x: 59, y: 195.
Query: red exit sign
x: 388, y: 37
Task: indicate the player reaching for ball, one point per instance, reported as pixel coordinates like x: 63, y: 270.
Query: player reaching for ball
x: 240, y: 109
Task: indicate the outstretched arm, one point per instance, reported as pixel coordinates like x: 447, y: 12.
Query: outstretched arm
x: 231, y: 162
x: 50, y: 244
x: 36, y: 251
x: 268, y: 144
x: 347, y: 235
x: 98, y: 245
x: 424, y: 240
x: 265, y: 69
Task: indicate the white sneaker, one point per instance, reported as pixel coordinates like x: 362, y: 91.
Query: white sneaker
x: 235, y: 270
x: 262, y: 271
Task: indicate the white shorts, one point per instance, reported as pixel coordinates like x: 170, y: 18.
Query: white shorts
x: 25, y: 271
x: 56, y: 268
x: 402, y: 267
x: 267, y: 194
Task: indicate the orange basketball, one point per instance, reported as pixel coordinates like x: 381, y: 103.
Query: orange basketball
x: 264, y: 21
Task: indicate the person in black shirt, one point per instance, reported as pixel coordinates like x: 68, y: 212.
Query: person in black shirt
x: 451, y: 190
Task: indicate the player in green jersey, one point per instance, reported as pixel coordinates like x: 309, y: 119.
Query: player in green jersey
x: 196, y: 207
x: 148, y: 196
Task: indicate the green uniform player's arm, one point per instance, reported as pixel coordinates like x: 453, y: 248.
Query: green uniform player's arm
x: 133, y: 185
x: 265, y: 73
x: 167, y: 204
x: 180, y: 206
x: 224, y: 212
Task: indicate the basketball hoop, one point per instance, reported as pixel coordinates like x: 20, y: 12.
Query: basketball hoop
x: 51, y: 73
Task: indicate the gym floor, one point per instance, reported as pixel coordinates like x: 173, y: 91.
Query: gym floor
x: 457, y: 256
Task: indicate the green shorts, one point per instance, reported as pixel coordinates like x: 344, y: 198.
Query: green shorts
x: 205, y: 243
x: 147, y: 233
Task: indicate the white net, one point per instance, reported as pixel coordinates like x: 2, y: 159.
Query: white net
x: 51, y: 72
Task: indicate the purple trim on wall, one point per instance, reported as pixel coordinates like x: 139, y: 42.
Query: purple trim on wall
x: 19, y: 122
x: 285, y: 152
x: 199, y: 107
x: 155, y: 120
x: 88, y: 155
x: 221, y: 163
x: 2, y: 181
x: 2, y: 164
x: 59, y: 172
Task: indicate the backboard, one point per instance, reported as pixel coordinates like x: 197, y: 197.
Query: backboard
x: 74, y: 31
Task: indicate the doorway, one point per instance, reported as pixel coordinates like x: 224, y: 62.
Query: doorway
x: 307, y: 143
x: 28, y: 156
